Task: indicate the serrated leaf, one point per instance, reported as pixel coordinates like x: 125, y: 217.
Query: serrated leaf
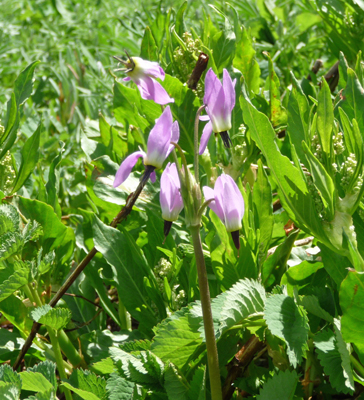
x: 281, y: 386
x: 89, y: 382
x: 48, y: 395
x: 9, y: 219
x: 9, y: 391
x: 177, y: 339
x: 197, y: 389
x: 35, y: 381
x: 119, y: 388
x: 312, y: 305
x: 47, y: 369
x: 32, y: 231
x: 20, y: 278
x: 175, y: 384
x: 245, y: 299
x: 11, y: 243
x: 289, y: 322
x: 82, y: 393
x: 331, y: 361
x: 55, y: 318
x: 7, y: 375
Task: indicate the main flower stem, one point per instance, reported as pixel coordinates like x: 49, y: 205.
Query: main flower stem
x: 212, y: 356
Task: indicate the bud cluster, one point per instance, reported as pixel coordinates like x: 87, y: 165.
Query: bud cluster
x: 316, y: 147
x: 185, y: 58
x: 7, y: 173
x: 347, y: 170
x: 338, y: 143
x: 315, y: 194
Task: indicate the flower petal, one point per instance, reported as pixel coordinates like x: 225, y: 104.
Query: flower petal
x: 210, y: 194
x: 126, y: 166
x: 229, y: 90
x: 233, y: 204
x: 150, y: 89
x: 170, y: 196
x: 151, y: 68
x: 159, y: 139
x: 204, y: 118
x: 212, y: 87
x: 126, y: 79
x: 153, y: 177
x: 174, y: 138
x: 206, y: 133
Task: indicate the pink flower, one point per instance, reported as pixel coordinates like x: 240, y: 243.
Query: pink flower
x: 142, y: 73
x: 219, y: 100
x: 228, y: 204
x: 159, y: 147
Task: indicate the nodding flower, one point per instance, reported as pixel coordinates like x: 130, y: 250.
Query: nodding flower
x: 142, y: 73
x: 159, y: 148
x: 227, y: 204
x: 219, y: 100
x: 170, y: 196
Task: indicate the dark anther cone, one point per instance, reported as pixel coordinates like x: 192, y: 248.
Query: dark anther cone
x: 226, y: 139
x: 148, y: 170
x: 167, y: 227
x: 236, y: 240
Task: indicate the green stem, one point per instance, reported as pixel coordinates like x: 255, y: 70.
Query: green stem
x: 125, y: 322
x: 309, y: 370
x: 212, y: 356
x: 74, y: 357
x: 196, y: 147
x: 357, y: 365
x: 59, y: 361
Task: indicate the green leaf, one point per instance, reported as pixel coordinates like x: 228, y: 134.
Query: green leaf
x: 277, y: 112
x: 197, y: 389
x: 128, y: 270
x: 351, y: 296
x: 177, y: 339
x: 55, y: 318
x: 312, y: 305
x: 322, y: 181
x: 30, y: 156
x: 7, y: 375
x: 292, y: 188
x: 148, y: 50
x: 52, y: 185
x: 9, y: 391
x: 82, y: 393
x: 89, y: 382
x: 24, y: 83
x: 281, y: 386
x: 105, y: 366
x: 246, y: 63
x: 353, y: 100
x: 175, y: 384
x: 47, y: 369
x: 17, y: 280
x: 263, y: 211
x: 55, y: 233
x: 35, y: 381
x: 327, y: 348
x: 11, y: 243
x: 119, y: 388
x: 50, y: 394
x: 9, y: 219
x: 335, y: 264
x: 16, y: 313
x: 289, y: 322
x: 245, y: 299
x: 298, y: 118
x: 325, y: 120
x: 7, y: 139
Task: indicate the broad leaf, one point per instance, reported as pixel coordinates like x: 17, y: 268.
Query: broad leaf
x: 35, y: 381
x: 55, y: 318
x: 281, y: 386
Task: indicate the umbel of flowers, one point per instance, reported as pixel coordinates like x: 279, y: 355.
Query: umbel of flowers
x: 179, y: 187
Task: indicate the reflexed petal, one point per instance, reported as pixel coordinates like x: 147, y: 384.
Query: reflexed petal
x: 153, y: 177
x: 208, y: 193
x: 216, y: 111
x: 170, y: 196
x: 151, y: 68
x: 212, y: 87
x: 206, y: 133
x: 159, y: 139
x: 219, y: 190
x: 126, y: 166
x: 150, y: 89
x: 174, y: 138
x: 229, y: 90
x: 204, y: 118
x: 126, y: 79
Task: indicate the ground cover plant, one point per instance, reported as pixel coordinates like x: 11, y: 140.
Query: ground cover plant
x: 181, y: 200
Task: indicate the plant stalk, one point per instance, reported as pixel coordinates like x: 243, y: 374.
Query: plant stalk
x: 196, y: 147
x: 212, y: 356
